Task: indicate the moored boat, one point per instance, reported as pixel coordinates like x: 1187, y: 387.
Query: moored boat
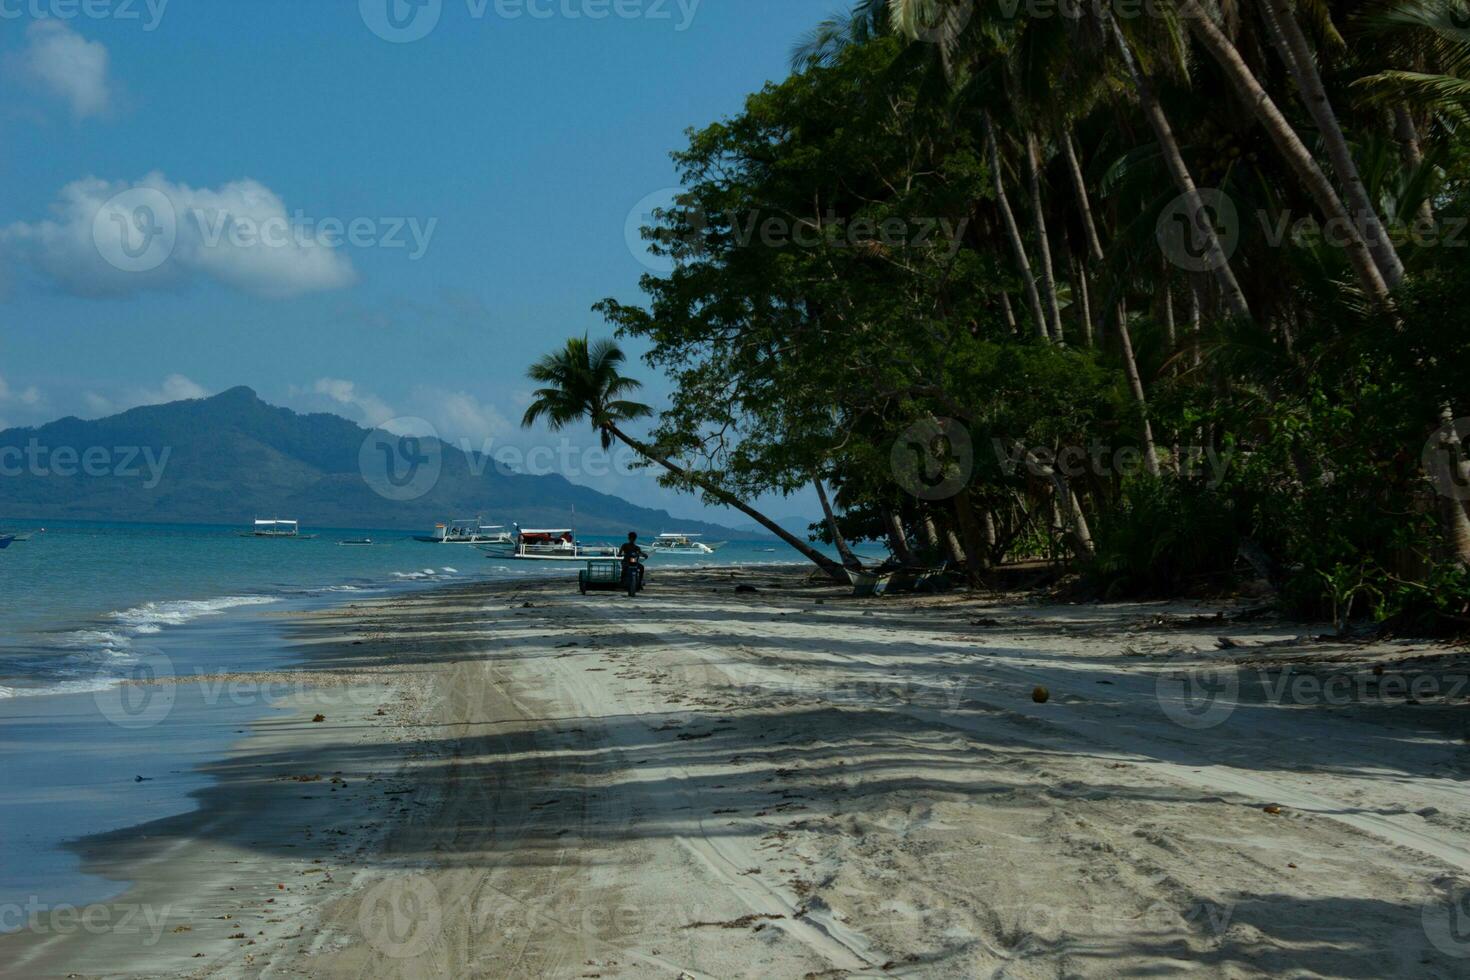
x: 553, y: 544
x: 470, y: 532
x: 277, y: 528
x: 677, y: 543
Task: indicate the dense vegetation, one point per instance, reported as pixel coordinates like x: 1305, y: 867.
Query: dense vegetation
x: 1170, y: 290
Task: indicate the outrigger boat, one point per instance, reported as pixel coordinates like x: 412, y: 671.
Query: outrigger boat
x: 6, y: 540
x: 554, y: 544
x: 277, y: 528
x: 683, y: 544
x: 470, y: 532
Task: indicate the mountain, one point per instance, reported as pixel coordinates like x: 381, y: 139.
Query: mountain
x: 232, y: 458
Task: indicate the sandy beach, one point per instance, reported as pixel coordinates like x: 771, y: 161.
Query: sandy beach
x: 744, y: 775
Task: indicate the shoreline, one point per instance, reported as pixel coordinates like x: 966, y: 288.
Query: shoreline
x: 710, y: 783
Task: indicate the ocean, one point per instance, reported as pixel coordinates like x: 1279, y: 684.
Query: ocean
x: 83, y: 602
x: 88, y: 605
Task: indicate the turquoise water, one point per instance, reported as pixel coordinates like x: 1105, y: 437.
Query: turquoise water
x: 85, y: 605
x: 82, y: 602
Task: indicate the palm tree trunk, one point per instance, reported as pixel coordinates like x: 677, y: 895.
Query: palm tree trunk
x: 1291, y: 44
x: 977, y: 559
x: 1084, y: 298
x: 1135, y: 385
x: 1410, y: 153
x: 1005, y: 305
x: 1084, y: 201
x: 898, y: 539
x: 849, y: 560
x: 1013, y: 231
x: 1043, y: 241
x: 1289, y: 145
x: 1063, y: 497
x: 1218, y: 261
x: 832, y: 568
x: 1456, y: 511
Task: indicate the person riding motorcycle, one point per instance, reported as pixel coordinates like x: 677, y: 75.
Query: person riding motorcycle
x: 633, y: 555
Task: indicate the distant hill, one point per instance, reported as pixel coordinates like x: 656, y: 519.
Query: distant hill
x: 232, y: 458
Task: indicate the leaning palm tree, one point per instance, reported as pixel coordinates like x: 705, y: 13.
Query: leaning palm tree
x: 583, y: 382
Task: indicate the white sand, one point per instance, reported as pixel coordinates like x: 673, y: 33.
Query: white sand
x: 709, y: 784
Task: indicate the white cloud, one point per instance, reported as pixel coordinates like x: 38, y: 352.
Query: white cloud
x: 371, y: 410
x: 29, y: 397
x: 66, y: 65
x: 115, y: 238
x: 462, y: 418
x: 174, y: 388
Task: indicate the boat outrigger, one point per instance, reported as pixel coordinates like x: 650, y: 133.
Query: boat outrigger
x: 683, y: 544
x: 277, y: 528
x: 553, y: 544
x: 470, y: 532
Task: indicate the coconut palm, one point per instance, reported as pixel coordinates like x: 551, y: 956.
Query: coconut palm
x: 583, y: 382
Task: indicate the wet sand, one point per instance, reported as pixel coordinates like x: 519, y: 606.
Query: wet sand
x: 513, y: 780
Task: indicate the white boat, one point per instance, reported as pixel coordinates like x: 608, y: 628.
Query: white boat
x: 682, y: 544
x: 553, y: 544
x: 276, y: 528
x: 470, y: 532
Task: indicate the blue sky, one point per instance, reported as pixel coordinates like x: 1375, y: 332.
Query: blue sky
x: 490, y: 167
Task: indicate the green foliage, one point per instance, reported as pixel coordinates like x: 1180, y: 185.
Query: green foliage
x: 1163, y: 537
